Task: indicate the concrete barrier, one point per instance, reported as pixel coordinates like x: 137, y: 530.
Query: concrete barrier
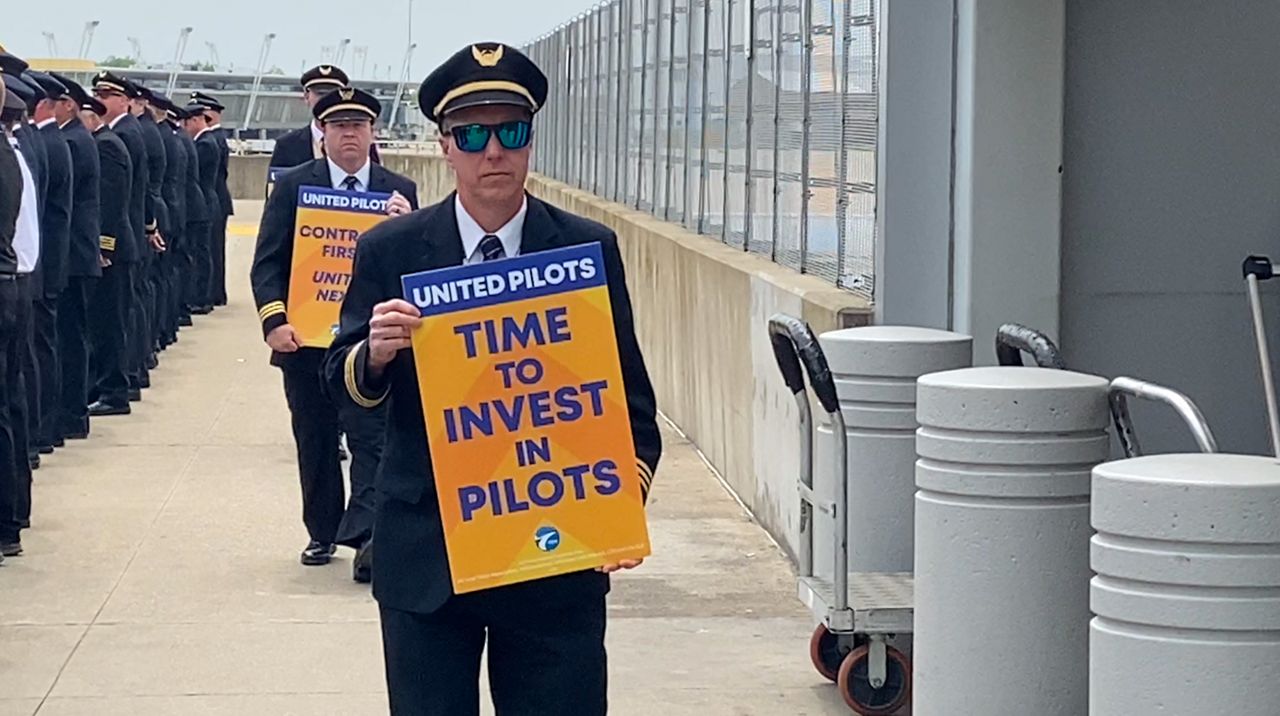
x: 701, y: 309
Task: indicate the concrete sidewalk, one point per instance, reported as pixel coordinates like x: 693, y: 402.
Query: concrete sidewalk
x: 161, y: 572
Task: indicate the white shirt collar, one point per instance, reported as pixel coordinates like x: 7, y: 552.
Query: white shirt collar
x: 201, y: 133
x: 337, y: 175
x: 46, y: 123
x: 471, y: 233
x: 112, y: 124
x: 216, y: 126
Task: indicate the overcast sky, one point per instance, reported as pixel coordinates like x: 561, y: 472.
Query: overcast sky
x: 237, y: 27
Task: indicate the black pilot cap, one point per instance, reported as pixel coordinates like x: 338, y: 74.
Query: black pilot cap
x: 11, y: 64
x: 109, y: 80
x: 482, y: 74
x: 324, y: 76
x: 347, y: 103
x: 54, y: 88
x: 206, y: 102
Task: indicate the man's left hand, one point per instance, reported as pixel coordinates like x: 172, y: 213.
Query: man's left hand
x: 624, y: 564
x: 397, y: 205
x: 157, y: 243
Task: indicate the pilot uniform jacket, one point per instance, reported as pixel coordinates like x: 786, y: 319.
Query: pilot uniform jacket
x: 411, y: 572
x: 115, y: 191
x: 224, y: 157
x: 55, y: 222
x: 273, y: 256
x: 174, y: 190
x: 129, y: 130
x: 83, y: 252
x: 208, y: 156
x: 157, y: 169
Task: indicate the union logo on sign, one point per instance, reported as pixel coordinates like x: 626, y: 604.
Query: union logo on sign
x: 547, y: 538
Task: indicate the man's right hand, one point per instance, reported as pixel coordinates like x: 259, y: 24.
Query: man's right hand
x: 390, y: 331
x: 283, y: 339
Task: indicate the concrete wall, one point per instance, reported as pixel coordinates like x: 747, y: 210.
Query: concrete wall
x: 701, y: 309
x: 1171, y: 179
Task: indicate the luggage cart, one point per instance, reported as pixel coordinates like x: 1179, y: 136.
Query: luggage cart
x: 1123, y: 388
x: 859, y: 613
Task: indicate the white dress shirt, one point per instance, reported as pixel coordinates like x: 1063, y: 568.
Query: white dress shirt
x: 471, y: 233
x: 26, y: 237
x: 317, y: 141
x: 112, y: 124
x: 46, y: 123
x: 337, y: 175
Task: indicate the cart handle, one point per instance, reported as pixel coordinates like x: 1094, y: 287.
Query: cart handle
x: 794, y: 345
x: 1258, y: 267
x: 1012, y: 339
x: 1123, y: 387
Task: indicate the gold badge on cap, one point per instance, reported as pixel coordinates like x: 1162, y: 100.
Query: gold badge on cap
x: 326, y: 70
x: 346, y: 93
x: 487, y: 58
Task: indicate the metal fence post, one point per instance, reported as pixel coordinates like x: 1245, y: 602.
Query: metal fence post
x: 807, y: 126
x: 728, y: 99
x: 706, y: 98
x: 779, y: 15
x: 748, y: 181
x: 688, y: 111
x: 671, y: 108
x: 644, y: 75
x: 842, y: 199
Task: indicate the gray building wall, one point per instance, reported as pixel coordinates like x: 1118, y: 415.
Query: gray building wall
x: 1172, y: 176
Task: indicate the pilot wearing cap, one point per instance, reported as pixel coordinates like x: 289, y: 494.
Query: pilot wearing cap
x: 84, y: 266
x: 160, y: 110
x: 347, y: 117
x: 304, y: 144
x: 545, y: 638
x: 217, y: 289
x: 13, y: 186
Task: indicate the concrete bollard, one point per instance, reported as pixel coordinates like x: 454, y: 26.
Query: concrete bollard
x: 1187, y: 592
x: 875, y: 370
x: 1002, y: 540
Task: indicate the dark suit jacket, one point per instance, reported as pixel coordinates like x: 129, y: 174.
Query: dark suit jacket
x: 141, y: 209
x: 10, y: 204
x: 55, y: 222
x: 412, y: 570
x: 115, y: 192
x: 174, y: 190
x: 273, y: 256
x: 82, y: 255
x: 294, y: 148
x: 224, y: 158
x: 196, y: 203
x: 33, y: 151
x: 157, y: 168
x: 209, y: 156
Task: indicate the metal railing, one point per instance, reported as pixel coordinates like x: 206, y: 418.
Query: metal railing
x: 753, y: 121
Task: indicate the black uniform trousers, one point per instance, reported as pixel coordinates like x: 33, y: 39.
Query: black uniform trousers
x: 542, y: 661
x: 140, y: 317
x: 49, y: 365
x: 28, y: 400
x: 218, y: 254
x: 316, y: 423
x: 72, y: 411
x: 10, y: 374
x: 108, y: 328
x: 197, y: 289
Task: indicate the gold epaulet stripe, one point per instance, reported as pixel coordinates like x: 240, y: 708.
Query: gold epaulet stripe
x: 107, y: 243
x: 271, y: 309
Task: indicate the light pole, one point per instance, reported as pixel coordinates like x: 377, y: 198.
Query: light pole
x: 404, y: 78
x: 183, y: 34
x: 342, y: 50
x: 257, y: 78
x: 86, y: 37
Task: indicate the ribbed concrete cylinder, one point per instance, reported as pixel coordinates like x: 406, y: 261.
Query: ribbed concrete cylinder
x: 875, y: 370
x: 1187, y: 592
x: 1002, y: 540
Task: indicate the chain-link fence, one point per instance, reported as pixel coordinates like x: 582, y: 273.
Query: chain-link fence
x: 749, y: 120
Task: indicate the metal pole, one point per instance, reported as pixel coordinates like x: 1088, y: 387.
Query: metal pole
x: 404, y: 77
x: 779, y: 15
x: 1264, y: 357
x: 644, y: 78
x: 257, y: 78
x: 748, y: 181
x: 671, y: 107
x: 703, y: 170
x: 806, y: 125
x: 688, y: 111
x: 183, y: 34
x: 624, y: 100
x: 842, y: 162
x: 601, y: 83
x: 728, y: 96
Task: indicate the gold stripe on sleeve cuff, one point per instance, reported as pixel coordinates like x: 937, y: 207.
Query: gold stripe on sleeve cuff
x: 353, y: 388
x: 107, y: 243
x: 646, y: 475
x: 271, y: 309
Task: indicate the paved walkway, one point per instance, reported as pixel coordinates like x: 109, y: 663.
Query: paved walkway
x: 161, y: 573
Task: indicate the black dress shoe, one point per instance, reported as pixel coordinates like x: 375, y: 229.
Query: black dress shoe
x: 362, y: 569
x: 152, y: 364
x: 100, y: 409
x: 76, y: 436
x: 60, y: 442
x: 184, y: 320
x: 135, y: 395
x: 317, y: 554
x: 11, y: 549
x: 45, y: 449
x: 33, y: 461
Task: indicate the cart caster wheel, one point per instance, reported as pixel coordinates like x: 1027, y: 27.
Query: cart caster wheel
x: 825, y: 651
x: 856, y: 687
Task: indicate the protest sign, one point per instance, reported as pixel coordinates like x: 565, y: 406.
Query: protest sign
x: 324, y: 245
x: 526, y: 417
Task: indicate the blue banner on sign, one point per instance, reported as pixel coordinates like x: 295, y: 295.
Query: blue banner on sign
x: 358, y: 202
x: 545, y: 273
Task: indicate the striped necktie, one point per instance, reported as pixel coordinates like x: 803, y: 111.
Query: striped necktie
x: 491, y: 248
x: 350, y: 183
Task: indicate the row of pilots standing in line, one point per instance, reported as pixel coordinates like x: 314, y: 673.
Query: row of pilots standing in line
x: 113, y: 252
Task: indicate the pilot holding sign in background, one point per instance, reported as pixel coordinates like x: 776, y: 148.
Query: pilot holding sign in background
x: 545, y: 635
x: 306, y: 234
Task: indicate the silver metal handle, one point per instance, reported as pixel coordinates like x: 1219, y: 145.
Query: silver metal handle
x: 1264, y: 358
x: 1123, y: 387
